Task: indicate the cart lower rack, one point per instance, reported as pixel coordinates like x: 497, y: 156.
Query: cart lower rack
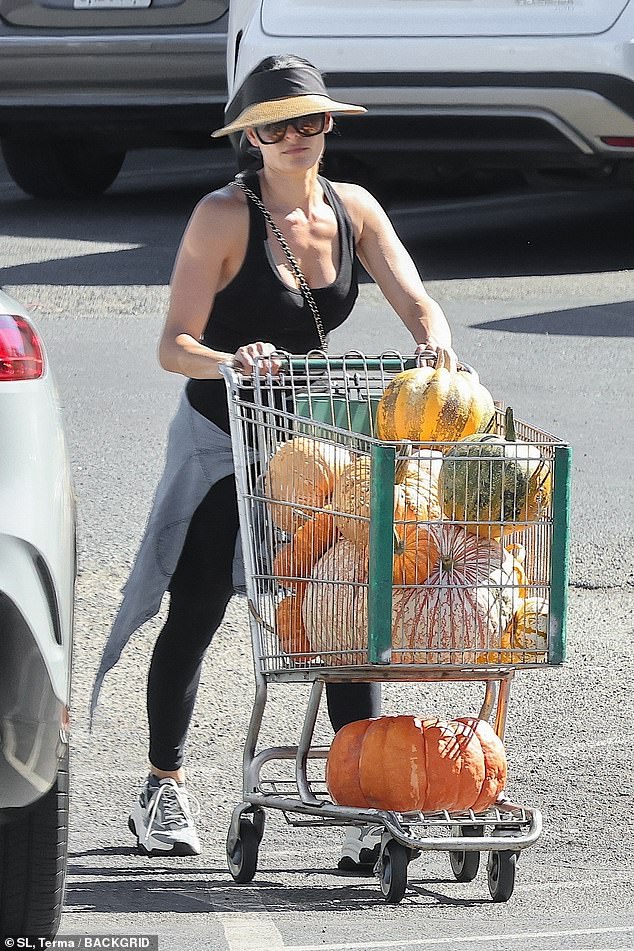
x: 364, y: 563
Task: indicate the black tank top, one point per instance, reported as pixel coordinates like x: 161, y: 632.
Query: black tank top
x: 258, y: 305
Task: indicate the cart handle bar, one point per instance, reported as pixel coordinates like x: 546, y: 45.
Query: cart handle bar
x: 391, y: 361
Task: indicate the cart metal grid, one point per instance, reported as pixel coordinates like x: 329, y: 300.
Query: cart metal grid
x: 356, y: 612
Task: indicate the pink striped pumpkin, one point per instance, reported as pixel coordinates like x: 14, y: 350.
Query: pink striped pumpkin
x: 465, y: 604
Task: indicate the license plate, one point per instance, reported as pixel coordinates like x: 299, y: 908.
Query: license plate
x: 109, y: 4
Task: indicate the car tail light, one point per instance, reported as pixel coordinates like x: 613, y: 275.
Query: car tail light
x: 21, y: 354
x: 619, y: 141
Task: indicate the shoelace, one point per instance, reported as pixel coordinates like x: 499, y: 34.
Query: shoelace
x: 176, y: 807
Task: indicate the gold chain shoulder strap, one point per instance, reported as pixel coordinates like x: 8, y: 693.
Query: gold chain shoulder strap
x: 297, y: 271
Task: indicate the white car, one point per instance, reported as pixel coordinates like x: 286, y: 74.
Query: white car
x: 543, y: 86
x: 37, y: 576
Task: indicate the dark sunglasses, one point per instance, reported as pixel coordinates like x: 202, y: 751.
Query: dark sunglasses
x: 274, y: 132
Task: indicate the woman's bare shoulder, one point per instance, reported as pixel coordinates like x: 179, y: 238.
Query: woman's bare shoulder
x: 360, y: 204
x: 220, y: 215
x: 227, y: 202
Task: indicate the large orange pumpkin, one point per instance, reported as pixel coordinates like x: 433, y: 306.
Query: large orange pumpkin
x: 411, y: 764
x: 302, y: 474
x: 434, y: 404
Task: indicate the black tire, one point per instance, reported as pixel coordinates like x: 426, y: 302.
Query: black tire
x: 60, y: 169
x: 258, y: 822
x: 33, y: 854
x: 465, y: 865
x: 243, y: 858
x: 501, y: 875
x: 393, y: 871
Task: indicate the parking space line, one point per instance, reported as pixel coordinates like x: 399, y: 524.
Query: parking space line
x: 252, y: 930
x: 457, y: 940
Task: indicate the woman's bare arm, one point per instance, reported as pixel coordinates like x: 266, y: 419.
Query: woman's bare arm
x: 210, y: 254
x: 385, y: 258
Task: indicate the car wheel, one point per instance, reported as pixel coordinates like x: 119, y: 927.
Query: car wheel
x: 33, y: 851
x: 60, y: 169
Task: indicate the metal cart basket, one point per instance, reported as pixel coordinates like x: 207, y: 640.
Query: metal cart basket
x: 386, y: 594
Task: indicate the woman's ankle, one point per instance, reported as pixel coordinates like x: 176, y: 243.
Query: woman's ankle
x: 177, y: 774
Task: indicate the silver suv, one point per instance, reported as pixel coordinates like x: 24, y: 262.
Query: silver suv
x: 83, y: 81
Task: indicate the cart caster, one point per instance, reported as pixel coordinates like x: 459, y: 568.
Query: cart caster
x: 392, y: 868
x: 243, y: 858
x: 465, y: 865
x: 501, y: 874
x: 258, y: 822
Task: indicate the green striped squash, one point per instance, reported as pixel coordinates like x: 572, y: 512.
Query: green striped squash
x: 434, y: 404
x: 493, y: 484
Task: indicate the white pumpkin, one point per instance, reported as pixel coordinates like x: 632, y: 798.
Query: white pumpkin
x: 335, y: 606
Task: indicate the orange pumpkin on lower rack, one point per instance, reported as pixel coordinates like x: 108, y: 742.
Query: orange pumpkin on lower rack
x: 413, y: 764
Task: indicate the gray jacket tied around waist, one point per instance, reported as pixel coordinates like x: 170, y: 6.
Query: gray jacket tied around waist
x: 198, y: 455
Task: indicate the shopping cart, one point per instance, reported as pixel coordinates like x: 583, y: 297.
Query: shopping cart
x: 371, y: 624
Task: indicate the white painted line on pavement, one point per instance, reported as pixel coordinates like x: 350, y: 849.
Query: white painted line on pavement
x: 457, y: 940
x: 251, y: 930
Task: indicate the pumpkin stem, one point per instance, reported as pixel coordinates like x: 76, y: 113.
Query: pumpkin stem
x: 399, y: 544
x: 509, y: 425
x: 446, y: 361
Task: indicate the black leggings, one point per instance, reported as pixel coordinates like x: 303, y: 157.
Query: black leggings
x: 200, y: 590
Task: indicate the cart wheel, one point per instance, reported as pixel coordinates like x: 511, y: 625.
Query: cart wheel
x: 465, y: 865
x: 501, y: 874
x: 393, y: 871
x: 258, y: 822
x: 243, y: 858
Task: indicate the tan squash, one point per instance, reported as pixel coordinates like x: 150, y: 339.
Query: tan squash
x: 301, y: 475
x: 335, y: 610
x: 415, y: 494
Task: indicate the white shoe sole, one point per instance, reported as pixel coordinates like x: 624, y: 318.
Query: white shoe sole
x: 161, y: 848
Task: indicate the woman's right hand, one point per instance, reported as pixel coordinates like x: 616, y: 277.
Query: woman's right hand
x: 245, y: 358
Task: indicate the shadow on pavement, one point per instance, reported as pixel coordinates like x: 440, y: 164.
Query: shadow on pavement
x: 602, y: 320
x: 510, y: 234
x: 139, y: 888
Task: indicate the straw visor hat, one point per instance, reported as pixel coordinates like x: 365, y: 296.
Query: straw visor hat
x: 278, y: 94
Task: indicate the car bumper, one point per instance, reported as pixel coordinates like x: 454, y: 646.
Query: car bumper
x: 106, y: 84
x: 533, y: 100
x: 32, y: 716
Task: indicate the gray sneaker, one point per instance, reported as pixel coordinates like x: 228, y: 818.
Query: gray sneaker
x: 162, y: 821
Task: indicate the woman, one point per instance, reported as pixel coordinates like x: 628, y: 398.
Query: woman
x: 234, y: 298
